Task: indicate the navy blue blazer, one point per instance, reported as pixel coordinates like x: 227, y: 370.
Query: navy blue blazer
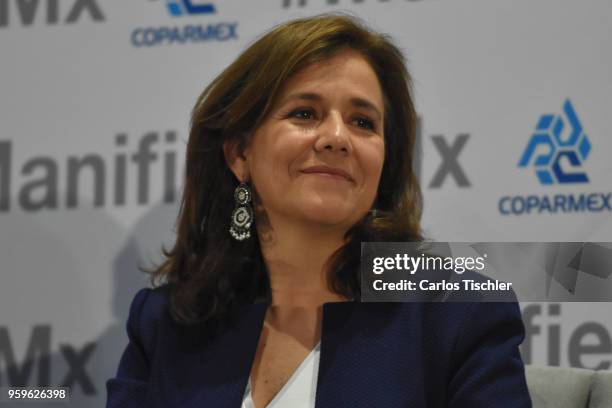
x: 462, y: 355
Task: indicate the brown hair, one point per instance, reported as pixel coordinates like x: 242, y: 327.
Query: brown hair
x: 210, y: 275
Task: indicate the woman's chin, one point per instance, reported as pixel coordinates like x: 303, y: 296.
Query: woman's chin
x: 330, y: 217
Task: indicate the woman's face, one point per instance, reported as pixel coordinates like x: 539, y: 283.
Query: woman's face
x: 318, y: 156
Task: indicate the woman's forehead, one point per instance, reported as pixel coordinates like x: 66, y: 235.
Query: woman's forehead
x: 347, y: 71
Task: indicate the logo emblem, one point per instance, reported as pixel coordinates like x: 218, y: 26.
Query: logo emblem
x: 557, y: 146
x: 178, y: 8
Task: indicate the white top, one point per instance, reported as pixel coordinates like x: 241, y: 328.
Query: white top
x: 299, y: 391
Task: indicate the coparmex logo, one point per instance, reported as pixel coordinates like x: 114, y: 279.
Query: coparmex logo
x: 557, y: 146
x: 178, y: 8
x: 201, y: 31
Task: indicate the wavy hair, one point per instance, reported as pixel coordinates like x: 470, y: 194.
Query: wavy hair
x: 209, y: 274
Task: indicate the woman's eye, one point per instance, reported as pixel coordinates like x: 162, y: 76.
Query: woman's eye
x: 304, y: 114
x: 364, y: 123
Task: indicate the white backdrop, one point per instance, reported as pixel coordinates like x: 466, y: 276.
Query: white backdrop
x: 77, y: 85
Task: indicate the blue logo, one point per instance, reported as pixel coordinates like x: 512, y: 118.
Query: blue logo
x: 178, y: 8
x: 557, y: 138
x: 183, y: 34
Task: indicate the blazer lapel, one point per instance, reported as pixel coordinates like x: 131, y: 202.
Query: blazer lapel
x: 364, y: 354
x: 220, y: 376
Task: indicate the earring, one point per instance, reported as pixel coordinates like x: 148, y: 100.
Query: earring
x: 242, y: 216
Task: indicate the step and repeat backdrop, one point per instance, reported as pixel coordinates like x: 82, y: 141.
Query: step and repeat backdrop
x: 514, y: 101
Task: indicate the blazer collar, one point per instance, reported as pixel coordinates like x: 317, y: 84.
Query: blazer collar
x: 225, y: 359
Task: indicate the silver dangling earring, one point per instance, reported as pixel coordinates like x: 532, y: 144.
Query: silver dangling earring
x: 242, y: 216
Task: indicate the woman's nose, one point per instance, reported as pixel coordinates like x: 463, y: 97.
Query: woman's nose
x: 333, y: 135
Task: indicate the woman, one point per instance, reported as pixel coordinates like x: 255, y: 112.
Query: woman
x: 298, y: 152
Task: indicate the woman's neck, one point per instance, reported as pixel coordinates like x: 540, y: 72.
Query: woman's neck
x: 297, y: 260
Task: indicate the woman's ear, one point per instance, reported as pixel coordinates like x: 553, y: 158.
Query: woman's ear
x: 235, y: 159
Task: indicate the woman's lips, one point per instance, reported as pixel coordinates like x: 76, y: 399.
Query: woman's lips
x: 330, y: 172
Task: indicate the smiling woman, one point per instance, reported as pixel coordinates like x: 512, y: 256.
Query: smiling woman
x: 323, y: 145
x: 299, y: 151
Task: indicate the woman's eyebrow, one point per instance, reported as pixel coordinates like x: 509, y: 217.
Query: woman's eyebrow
x: 365, y: 104
x: 305, y: 96
x: 355, y: 101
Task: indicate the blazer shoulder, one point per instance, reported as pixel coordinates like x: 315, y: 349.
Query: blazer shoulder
x: 150, y: 302
x: 129, y: 387
x: 149, y: 308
